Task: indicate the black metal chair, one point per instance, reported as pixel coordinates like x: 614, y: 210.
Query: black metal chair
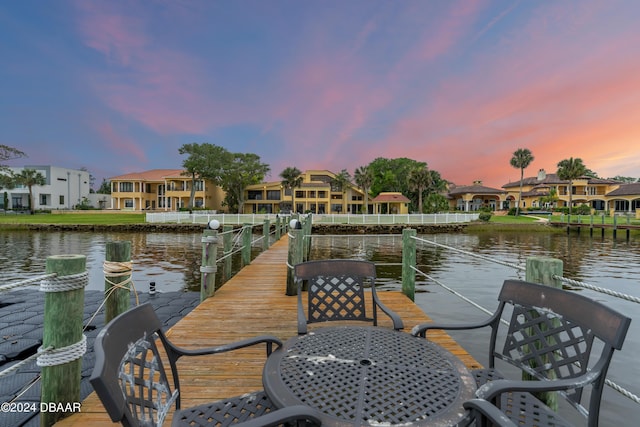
x: 130, y: 379
x: 336, y: 291
x: 561, y: 338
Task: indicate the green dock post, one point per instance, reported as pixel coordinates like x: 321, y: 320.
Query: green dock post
x: 307, y: 227
x: 117, y: 279
x: 266, y: 229
x: 63, y: 313
x: 295, y: 256
x: 277, y: 228
x: 227, y: 243
x: 545, y: 271
x: 246, y: 244
x: 209, y: 266
x: 409, y: 263
x: 615, y: 226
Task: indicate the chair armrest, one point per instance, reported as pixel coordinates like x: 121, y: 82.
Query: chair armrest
x: 397, y: 320
x: 484, y: 409
x: 423, y: 328
x: 492, y: 389
x: 284, y: 416
x: 269, y: 340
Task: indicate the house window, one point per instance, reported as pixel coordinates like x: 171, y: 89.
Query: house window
x: 126, y: 187
x: 199, y: 185
x: 44, y: 199
x: 255, y: 195
x: 61, y: 200
x: 273, y: 194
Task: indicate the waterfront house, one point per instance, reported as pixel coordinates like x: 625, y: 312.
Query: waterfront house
x: 64, y: 189
x: 548, y: 191
x: 317, y: 194
x: 163, y: 189
x: 390, y: 202
x: 475, y: 197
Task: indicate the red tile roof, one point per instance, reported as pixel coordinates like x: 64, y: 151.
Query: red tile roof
x: 151, y: 175
x: 390, y: 197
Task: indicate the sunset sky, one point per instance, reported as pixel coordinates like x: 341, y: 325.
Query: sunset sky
x: 118, y: 86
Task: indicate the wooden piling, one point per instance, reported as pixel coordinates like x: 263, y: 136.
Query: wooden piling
x: 209, y: 267
x: 409, y: 263
x: 545, y: 270
x: 246, y: 244
x: 117, y: 277
x: 266, y: 229
x: 296, y: 248
x: 63, y: 313
x: 227, y: 244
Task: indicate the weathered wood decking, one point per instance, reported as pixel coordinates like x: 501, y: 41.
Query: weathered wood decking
x: 252, y: 303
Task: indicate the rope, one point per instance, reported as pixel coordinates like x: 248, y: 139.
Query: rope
x: 62, y: 355
x: 456, y: 293
x: 113, y: 269
x: 508, y: 264
x: 622, y: 391
x: 26, y: 282
x: 20, y: 364
x: 597, y: 289
x: 65, y: 283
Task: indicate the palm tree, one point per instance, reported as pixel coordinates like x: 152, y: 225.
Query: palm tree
x: 291, y: 179
x: 522, y: 158
x: 419, y: 180
x: 341, y: 183
x: 30, y: 178
x: 568, y: 170
x: 363, y: 176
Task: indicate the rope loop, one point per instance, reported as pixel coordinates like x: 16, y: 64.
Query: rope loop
x: 65, y: 283
x: 62, y: 355
x: 208, y: 269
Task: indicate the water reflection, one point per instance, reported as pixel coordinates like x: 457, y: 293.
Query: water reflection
x: 171, y: 260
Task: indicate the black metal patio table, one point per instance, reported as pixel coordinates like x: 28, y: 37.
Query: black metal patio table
x: 370, y: 376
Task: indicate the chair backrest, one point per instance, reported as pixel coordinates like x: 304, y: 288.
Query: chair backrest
x: 129, y: 375
x: 336, y: 289
x: 551, y: 335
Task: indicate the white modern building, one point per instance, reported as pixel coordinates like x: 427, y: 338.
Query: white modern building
x: 64, y: 189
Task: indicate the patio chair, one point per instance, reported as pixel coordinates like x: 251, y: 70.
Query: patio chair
x: 130, y: 379
x: 560, y: 338
x: 336, y: 291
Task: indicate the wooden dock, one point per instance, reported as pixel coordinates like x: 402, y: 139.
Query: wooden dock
x: 252, y: 303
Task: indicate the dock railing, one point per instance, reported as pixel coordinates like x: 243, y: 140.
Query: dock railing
x: 353, y: 219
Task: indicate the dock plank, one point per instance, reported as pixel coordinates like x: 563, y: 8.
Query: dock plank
x: 251, y: 303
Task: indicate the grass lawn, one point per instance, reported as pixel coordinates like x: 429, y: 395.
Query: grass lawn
x: 73, y: 218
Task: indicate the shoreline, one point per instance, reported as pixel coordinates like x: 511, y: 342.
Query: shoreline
x: 316, y: 229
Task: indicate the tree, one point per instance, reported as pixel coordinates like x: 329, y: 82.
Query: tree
x: 241, y: 171
x: 521, y: 159
x: 105, y: 187
x: 341, y: 183
x: 30, y: 178
x: 363, y: 176
x: 291, y: 179
x: 205, y: 161
x: 9, y: 153
x: 568, y: 170
x: 420, y: 180
x: 393, y: 174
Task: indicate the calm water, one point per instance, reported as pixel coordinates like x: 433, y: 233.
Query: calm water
x: 173, y: 261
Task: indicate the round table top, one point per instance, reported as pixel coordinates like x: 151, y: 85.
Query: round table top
x: 369, y: 376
